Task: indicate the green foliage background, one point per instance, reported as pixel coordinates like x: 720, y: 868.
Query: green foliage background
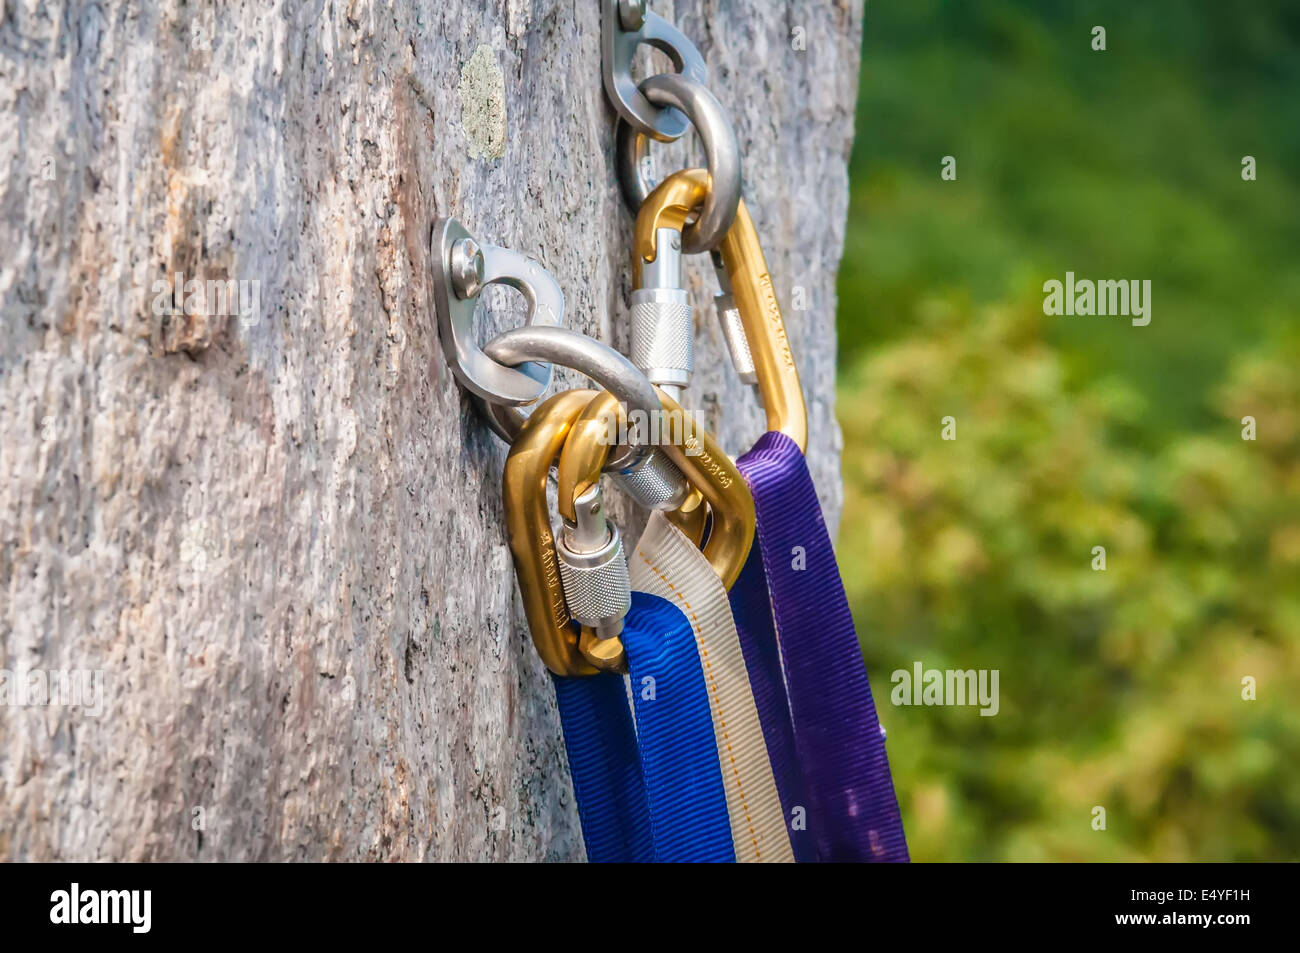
x: 1122, y: 688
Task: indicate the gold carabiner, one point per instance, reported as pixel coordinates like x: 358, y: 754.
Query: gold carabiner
x: 532, y: 543
x: 591, y: 439
x: 668, y: 206
x: 708, y: 470
x: 692, y: 517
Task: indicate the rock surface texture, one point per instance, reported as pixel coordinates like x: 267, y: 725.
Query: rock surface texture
x: 275, y: 538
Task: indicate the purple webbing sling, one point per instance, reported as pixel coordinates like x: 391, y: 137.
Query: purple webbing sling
x: 852, y: 810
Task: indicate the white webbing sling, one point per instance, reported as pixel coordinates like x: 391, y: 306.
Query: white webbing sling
x: 666, y: 563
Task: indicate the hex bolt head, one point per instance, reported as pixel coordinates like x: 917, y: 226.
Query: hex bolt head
x: 631, y: 14
x: 466, y: 268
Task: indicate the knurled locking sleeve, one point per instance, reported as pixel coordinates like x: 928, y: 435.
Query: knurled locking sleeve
x: 663, y: 344
x: 657, y: 484
x: 596, y: 585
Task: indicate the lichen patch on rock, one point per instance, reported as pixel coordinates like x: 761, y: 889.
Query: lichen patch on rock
x: 483, y: 104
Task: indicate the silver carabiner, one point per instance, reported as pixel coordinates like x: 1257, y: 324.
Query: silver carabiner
x: 569, y: 348
x: 625, y: 25
x: 462, y: 268
x: 720, y: 147
x: 647, y: 475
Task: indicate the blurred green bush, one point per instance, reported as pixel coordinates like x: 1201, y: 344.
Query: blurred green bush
x: 1119, y: 688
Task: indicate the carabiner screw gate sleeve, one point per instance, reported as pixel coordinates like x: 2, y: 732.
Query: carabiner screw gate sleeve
x: 663, y: 327
x: 593, y: 567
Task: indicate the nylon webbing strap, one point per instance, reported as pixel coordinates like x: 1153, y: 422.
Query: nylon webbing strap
x: 653, y: 792
x: 679, y: 761
x: 752, y: 612
x: 853, y: 812
x: 669, y: 565
x: 606, y: 768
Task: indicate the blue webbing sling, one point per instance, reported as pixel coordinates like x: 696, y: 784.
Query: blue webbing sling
x: 606, y: 768
x: 653, y: 791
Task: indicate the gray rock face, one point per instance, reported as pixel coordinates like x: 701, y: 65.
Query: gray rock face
x: 267, y: 548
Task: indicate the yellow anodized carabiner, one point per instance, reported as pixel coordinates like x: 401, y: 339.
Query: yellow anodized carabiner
x: 590, y: 442
x: 532, y: 543
x: 708, y: 470
x: 668, y: 206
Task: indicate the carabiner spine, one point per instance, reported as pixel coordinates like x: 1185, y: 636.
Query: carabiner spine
x: 760, y: 315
